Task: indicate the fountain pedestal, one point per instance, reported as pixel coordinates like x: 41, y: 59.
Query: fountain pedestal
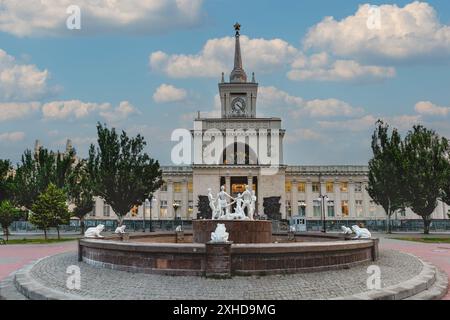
x: 240, y: 231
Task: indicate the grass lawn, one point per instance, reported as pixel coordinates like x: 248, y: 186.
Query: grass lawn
x: 38, y: 241
x: 425, y: 240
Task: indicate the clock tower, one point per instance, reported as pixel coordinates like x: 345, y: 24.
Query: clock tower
x: 238, y: 97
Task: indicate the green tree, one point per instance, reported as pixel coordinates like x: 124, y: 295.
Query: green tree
x: 50, y: 210
x: 425, y: 171
x: 8, y: 214
x: 386, y: 171
x: 39, y: 169
x: 123, y: 174
x: 5, y: 169
x: 80, y: 192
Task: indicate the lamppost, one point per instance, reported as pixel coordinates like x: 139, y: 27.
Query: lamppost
x: 323, y: 199
x: 145, y: 211
x: 175, y: 206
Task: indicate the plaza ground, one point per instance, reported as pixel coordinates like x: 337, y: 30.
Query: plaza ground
x: 13, y: 257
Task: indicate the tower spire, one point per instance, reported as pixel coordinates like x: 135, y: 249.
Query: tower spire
x: 238, y: 73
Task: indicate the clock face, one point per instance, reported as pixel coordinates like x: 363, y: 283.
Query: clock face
x: 238, y: 106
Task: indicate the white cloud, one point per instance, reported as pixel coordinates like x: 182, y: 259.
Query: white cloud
x: 358, y: 124
x: 216, y: 57
x: 305, y: 134
x: 58, y: 110
x: 12, y: 136
x: 430, y: 109
x: 13, y: 111
x: 318, y: 67
x: 296, y: 106
x: 121, y: 112
x: 76, y: 109
x: 410, y: 32
x: 21, y: 82
x: 168, y: 93
x: 37, y: 18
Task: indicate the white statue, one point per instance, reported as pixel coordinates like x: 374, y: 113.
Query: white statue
x: 251, y: 212
x: 292, y: 229
x: 212, y: 204
x: 120, y: 230
x: 361, y: 233
x: 94, y: 232
x: 247, y: 197
x: 239, y: 212
x: 178, y: 229
x: 220, y: 235
x: 222, y: 197
x: 346, y: 230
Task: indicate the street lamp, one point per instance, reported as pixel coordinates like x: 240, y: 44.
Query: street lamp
x: 145, y: 211
x: 323, y: 199
x: 175, y: 206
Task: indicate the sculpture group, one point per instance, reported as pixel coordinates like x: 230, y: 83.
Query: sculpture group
x: 220, y: 206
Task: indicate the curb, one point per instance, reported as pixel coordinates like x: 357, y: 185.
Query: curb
x: 429, y: 284
x: 34, y: 290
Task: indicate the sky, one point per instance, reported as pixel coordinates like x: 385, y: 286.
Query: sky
x: 329, y: 69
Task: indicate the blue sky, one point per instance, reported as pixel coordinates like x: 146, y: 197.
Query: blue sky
x: 147, y: 67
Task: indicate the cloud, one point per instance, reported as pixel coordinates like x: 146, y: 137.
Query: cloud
x: 12, y: 111
x: 296, y: 106
x: 305, y: 134
x: 41, y: 18
x: 430, y: 109
x: 76, y: 109
x: 168, y: 93
x: 358, y: 124
x: 216, y: 57
x: 12, y: 136
x: 319, y: 67
x: 410, y: 32
x: 21, y: 82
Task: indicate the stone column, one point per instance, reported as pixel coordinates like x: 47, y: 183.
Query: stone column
x: 228, y: 184
x: 294, y: 197
x: 351, y: 199
x: 184, y: 200
x: 337, y: 199
x: 170, y: 211
x: 309, y: 199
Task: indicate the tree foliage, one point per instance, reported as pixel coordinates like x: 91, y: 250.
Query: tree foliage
x: 50, y: 209
x: 123, y: 174
x: 37, y: 170
x: 386, y: 170
x: 5, y: 177
x: 8, y: 214
x: 80, y: 192
x: 425, y: 168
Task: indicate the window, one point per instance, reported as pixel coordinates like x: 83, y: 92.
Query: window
x: 344, y: 186
x: 177, y: 187
x: 106, y: 210
x: 344, y: 208
x: 317, y: 208
x: 164, y: 187
x: 288, y: 208
x: 190, y: 207
x: 330, y: 209
x: 316, y: 187
x: 372, y: 208
x: 358, y: 187
x: 288, y: 186
x: 163, y: 208
x: 301, y: 208
x: 301, y: 187
x: 190, y: 187
x: 330, y: 187
x: 359, y: 208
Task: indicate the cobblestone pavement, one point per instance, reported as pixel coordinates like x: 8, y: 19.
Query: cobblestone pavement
x: 435, y: 253
x: 99, y: 283
x: 15, y: 256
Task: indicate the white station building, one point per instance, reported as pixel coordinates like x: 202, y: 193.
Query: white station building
x: 246, y: 138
